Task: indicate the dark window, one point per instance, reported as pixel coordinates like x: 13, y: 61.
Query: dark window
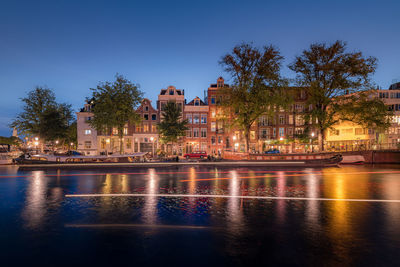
x: 212, y: 100
x: 146, y: 117
x: 153, y: 117
x: 146, y: 108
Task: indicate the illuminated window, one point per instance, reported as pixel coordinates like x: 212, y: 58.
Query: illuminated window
x: 125, y: 131
x: 334, y: 132
x: 87, y: 132
x: 213, y: 113
x: 252, y: 135
x: 213, y: 126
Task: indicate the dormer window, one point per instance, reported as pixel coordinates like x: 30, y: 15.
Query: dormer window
x: 197, y: 103
x: 146, y: 108
x: 171, y: 92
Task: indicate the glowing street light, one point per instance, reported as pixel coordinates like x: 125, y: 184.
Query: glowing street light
x: 152, y: 145
x: 312, y: 147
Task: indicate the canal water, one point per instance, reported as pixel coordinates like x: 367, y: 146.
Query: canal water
x: 315, y: 217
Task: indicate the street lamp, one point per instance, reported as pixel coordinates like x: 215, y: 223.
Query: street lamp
x: 152, y: 145
x: 311, y: 141
x: 36, y: 143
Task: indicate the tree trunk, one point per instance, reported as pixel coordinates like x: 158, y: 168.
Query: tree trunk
x: 121, y: 143
x: 321, y: 138
x: 247, y: 140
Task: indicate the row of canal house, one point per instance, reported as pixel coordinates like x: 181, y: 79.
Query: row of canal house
x: 207, y: 130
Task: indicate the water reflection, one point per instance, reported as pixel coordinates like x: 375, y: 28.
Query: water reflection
x: 35, y: 203
x: 312, y: 206
x: 390, y: 190
x: 150, y: 201
x: 234, y: 211
x: 337, y: 225
x: 280, y: 203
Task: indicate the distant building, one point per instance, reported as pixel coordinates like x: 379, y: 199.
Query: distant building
x: 177, y: 96
x: 218, y: 138
x: 142, y: 137
x: 87, y: 136
x: 196, y: 113
x: 351, y: 136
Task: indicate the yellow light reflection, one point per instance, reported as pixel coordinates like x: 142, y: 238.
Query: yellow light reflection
x: 35, y: 204
x: 150, y: 205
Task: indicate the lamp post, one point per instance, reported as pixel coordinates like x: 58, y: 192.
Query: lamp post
x: 311, y: 141
x: 152, y: 145
x: 36, y: 143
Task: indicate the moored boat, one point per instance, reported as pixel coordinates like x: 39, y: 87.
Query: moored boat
x: 72, y: 159
x: 315, y: 159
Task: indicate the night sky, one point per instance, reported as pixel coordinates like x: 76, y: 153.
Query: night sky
x: 72, y: 45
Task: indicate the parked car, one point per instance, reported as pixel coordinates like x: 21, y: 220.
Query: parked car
x: 272, y: 151
x: 196, y: 155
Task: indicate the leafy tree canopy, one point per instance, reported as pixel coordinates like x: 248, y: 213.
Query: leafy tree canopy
x: 42, y: 116
x: 257, y: 88
x: 331, y: 75
x: 12, y: 141
x: 114, y: 105
x: 171, y: 126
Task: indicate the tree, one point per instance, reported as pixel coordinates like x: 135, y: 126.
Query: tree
x: 333, y: 79
x: 56, y: 122
x: 11, y: 141
x: 42, y: 116
x: 257, y: 89
x: 171, y: 126
x: 114, y: 105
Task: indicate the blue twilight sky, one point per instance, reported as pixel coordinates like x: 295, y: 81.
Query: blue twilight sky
x: 72, y: 45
